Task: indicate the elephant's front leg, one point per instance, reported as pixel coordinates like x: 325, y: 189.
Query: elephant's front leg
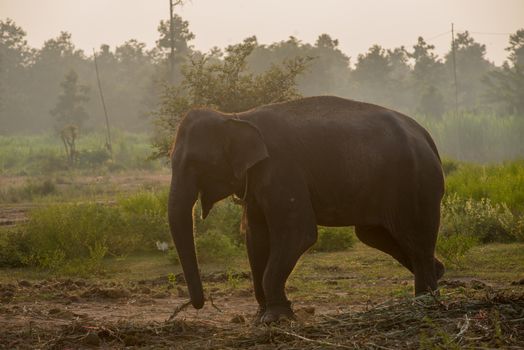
x: 257, y: 243
x: 292, y: 230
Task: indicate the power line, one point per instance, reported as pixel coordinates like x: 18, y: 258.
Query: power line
x: 438, y: 35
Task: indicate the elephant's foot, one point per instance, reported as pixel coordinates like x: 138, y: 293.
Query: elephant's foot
x: 258, y: 316
x: 276, y: 313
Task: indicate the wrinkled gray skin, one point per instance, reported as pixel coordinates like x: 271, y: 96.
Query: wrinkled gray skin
x: 314, y: 161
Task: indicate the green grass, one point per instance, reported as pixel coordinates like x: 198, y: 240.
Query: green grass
x: 501, y: 183
x: 44, y: 154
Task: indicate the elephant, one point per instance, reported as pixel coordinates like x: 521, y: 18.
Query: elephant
x: 321, y: 160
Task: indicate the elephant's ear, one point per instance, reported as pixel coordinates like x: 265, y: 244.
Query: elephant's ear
x: 244, y: 146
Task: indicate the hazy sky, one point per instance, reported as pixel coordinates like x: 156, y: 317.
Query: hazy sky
x: 357, y: 24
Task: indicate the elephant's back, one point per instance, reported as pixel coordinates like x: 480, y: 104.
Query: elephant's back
x: 324, y: 121
x: 351, y: 150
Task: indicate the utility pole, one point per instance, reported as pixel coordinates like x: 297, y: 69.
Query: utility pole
x: 172, y: 4
x: 108, y: 137
x: 454, y: 67
x: 171, y: 44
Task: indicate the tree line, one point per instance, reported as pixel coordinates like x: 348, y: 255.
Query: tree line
x: 45, y: 88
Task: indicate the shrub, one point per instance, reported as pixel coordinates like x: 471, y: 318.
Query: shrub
x: 145, y: 213
x: 94, y: 157
x: 453, y: 248
x: 225, y: 218
x: 14, y: 247
x: 483, y: 220
x: 59, y: 236
x: 214, y: 247
x: 332, y: 239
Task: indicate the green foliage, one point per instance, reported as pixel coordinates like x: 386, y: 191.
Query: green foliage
x: 215, y: 247
x: 226, y: 85
x: 501, y: 183
x: 506, y: 84
x: 14, y: 247
x: 482, y: 220
x: 225, y: 218
x: 146, y: 214
x: 69, y: 109
x: 453, y: 248
x: 67, y: 236
x: 334, y: 239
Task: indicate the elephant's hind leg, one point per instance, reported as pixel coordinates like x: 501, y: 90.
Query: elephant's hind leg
x: 379, y: 238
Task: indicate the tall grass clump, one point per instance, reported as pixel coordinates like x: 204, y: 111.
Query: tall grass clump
x: 477, y: 138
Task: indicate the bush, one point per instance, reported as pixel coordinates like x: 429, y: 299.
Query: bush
x: 14, y: 247
x: 483, y: 220
x: 69, y: 236
x: 145, y: 213
x: 225, y: 218
x: 333, y: 239
x: 73, y: 231
x: 453, y: 248
x: 214, y: 247
x: 95, y: 157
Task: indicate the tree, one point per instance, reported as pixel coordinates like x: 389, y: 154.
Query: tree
x: 327, y: 73
x: 427, y: 78
x: 506, y: 85
x: 371, y: 76
x: 57, y: 57
x: 431, y: 102
x: 427, y: 69
x: 181, y: 33
x: 15, y: 56
x: 69, y: 109
x: 471, y: 66
x: 224, y: 84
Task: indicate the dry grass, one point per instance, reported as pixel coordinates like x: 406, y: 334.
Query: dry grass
x: 462, y: 319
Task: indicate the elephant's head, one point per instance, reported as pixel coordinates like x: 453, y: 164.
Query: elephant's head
x: 211, y: 156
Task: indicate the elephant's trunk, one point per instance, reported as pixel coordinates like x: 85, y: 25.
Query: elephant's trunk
x: 182, y: 197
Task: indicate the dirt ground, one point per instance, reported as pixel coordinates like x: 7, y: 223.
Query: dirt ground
x: 69, y: 313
